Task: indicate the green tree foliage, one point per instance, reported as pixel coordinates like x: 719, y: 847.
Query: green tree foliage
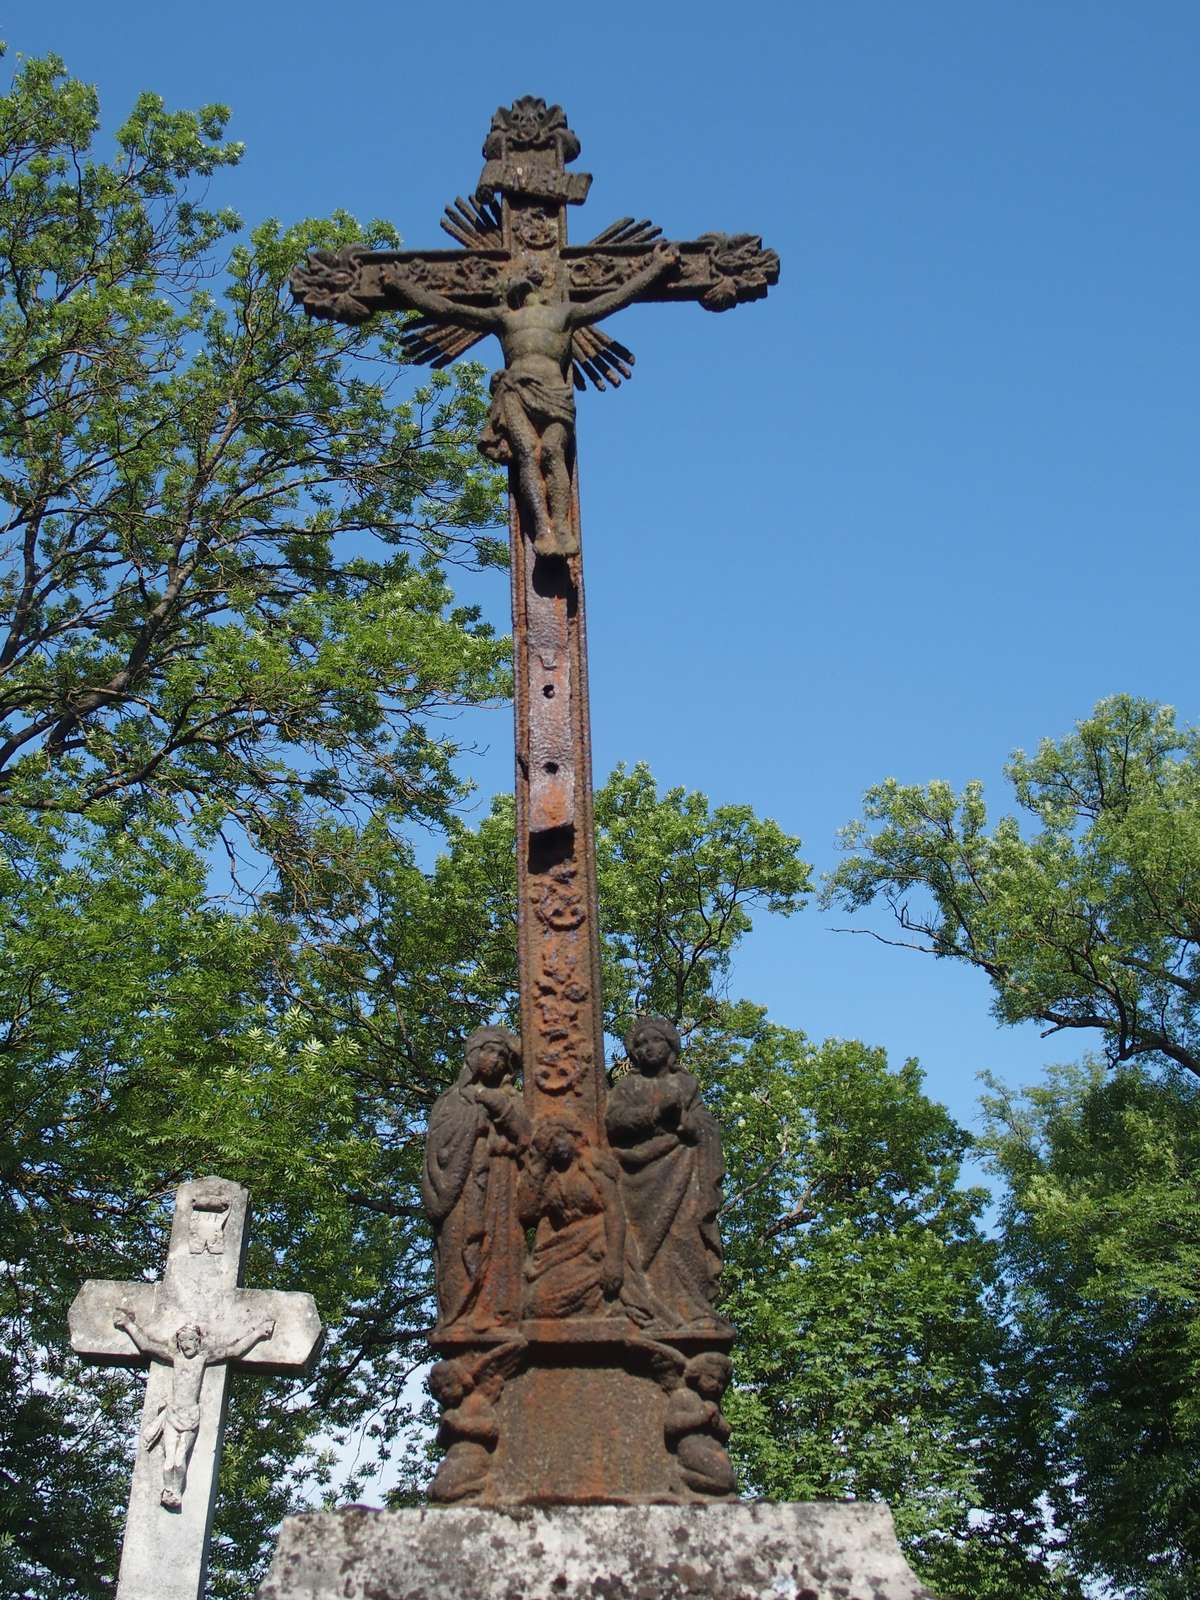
x: 1084, y: 914
x: 1092, y: 920
x: 230, y: 632
x: 1101, y: 1229
x: 872, y: 1361
x: 220, y: 556
x: 152, y: 1034
x: 165, y: 1035
x: 679, y: 883
x: 132, y: 1057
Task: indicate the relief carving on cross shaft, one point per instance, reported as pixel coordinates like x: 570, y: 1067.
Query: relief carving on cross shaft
x: 469, y: 275
x: 563, y: 1058
x: 559, y: 900
x: 328, y: 284
x: 730, y: 269
x: 742, y: 270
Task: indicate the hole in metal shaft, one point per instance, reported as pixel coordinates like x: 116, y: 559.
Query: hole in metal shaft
x: 551, y: 848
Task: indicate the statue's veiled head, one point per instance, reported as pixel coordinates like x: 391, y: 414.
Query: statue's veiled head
x: 493, y: 1056
x: 653, y: 1044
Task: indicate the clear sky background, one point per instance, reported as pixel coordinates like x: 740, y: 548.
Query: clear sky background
x: 927, y: 502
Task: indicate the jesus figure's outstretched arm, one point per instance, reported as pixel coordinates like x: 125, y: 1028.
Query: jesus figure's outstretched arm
x: 147, y: 1344
x: 434, y: 304
x: 663, y: 257
x: 233, y: 1348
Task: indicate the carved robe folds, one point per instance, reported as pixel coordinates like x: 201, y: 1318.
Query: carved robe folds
x: 577, y: 1262
x: 669, y: 1149
x: 569, y: 1193
x: 470, y: 1193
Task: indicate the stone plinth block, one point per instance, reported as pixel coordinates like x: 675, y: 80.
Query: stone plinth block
x: 819, y: 1551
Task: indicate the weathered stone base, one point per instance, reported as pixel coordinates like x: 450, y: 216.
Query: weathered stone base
x: 825, y: 1550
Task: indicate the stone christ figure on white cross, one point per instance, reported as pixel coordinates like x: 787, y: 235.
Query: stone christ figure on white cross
x: 178, y: 1419
x: 190, y: 1329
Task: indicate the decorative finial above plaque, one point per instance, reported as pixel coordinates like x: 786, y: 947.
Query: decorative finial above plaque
x: 526, y: 149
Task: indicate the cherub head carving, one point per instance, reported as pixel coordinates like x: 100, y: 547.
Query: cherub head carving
x: 530, y: 124
x: 708, y: 1374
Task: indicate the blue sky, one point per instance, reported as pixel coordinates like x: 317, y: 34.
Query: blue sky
x: 927, y: 502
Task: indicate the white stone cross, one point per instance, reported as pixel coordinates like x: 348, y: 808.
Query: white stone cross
x: 189, y: 1330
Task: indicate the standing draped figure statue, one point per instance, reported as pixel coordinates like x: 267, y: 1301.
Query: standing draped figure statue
x: 477, y: 1131
x: 669, y: 1150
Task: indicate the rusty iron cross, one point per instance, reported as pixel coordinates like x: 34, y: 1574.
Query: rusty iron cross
x: 518, y: 278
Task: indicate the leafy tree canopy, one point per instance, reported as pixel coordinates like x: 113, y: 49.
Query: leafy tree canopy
x: 1101, y: 1238
x: 1088, y: 916
x: 872, y: 1359
x: 222, y: 561
x: 154, y: 1033
x: 230, y: 636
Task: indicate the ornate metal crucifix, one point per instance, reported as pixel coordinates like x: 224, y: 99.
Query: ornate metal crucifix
x: 517, y: 277
x: 494, y: 1166
x: 190, y: 1329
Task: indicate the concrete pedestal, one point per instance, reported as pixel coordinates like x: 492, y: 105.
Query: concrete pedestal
x: 824, y: 1550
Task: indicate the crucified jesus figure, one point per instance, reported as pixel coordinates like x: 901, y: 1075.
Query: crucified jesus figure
x: 178, y: 1422
x: 532, y: 419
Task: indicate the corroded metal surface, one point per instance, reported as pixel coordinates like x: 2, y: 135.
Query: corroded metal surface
x: 558, y: 937
x: 577, y: 1246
